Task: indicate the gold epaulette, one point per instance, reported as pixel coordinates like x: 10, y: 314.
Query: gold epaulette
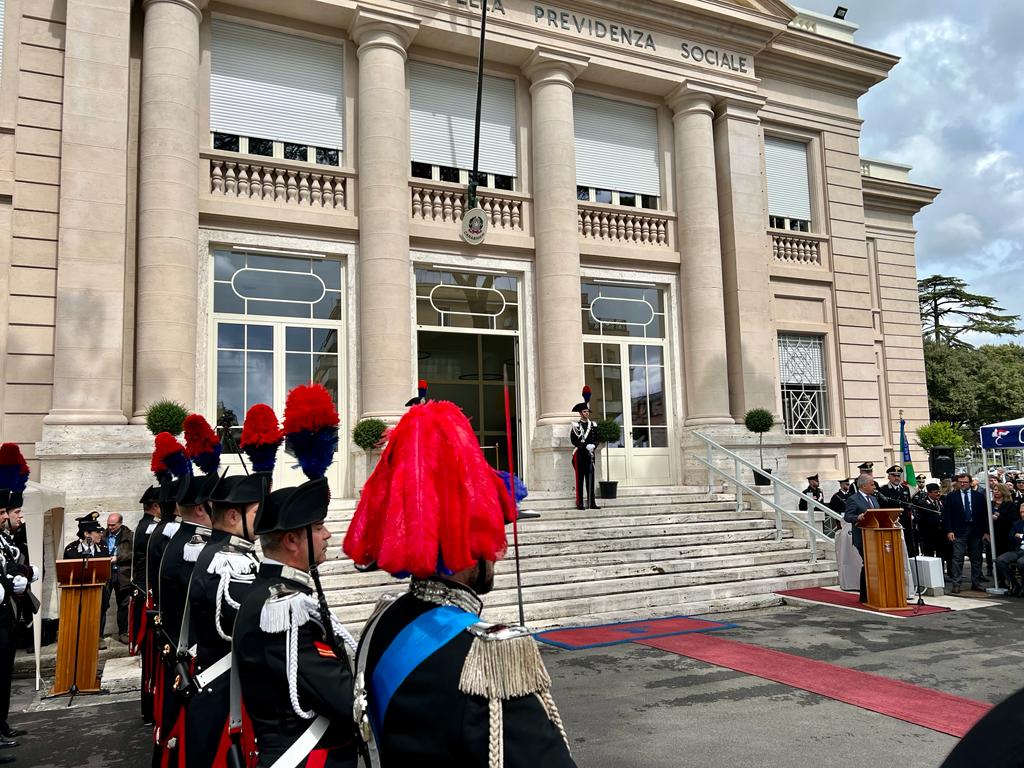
x: 503, y: 663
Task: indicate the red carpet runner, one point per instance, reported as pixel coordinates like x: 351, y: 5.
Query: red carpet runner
x: 851, y: 600
x: 938, y: 711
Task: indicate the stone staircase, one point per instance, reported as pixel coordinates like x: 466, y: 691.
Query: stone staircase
x: 652, y: 551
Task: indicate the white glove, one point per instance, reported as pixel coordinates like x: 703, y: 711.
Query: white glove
x: 3, y: 593
x: 591, y: 447
x: 20, y: 585
x: 35, y: 573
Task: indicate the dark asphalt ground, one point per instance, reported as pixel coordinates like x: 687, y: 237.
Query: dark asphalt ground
x: 630, y: 706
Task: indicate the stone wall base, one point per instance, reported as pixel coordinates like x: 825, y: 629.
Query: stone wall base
x: 551, y: 460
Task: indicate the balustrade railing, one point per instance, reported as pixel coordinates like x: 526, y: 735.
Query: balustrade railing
x: 440, y: 202
x: 794, y: 248
x: 624, y: 225
x: 277, y: 181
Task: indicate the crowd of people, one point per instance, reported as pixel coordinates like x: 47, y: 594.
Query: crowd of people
x: 947, y: 520
x: 243, y: 663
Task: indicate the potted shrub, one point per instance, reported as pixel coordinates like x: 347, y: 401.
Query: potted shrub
x: 166, y: 416
x: 368, y: 433
x: 759, y: 421
x: 608, y: 431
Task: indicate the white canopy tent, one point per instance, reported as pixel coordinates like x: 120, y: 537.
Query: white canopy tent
x: 42, y: 507
x: 1006, y: 434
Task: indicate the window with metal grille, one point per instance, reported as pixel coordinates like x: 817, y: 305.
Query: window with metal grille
x: 804, y: 386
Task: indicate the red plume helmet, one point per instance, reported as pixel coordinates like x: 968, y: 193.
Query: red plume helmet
x: 433, y: 504
x: 202, y: 445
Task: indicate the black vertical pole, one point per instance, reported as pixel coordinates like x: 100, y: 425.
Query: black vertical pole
x: 479, y: 101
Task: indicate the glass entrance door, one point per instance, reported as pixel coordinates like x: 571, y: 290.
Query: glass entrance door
x: 468, y: 343
x: 276, y: 326
x: 624, y: 365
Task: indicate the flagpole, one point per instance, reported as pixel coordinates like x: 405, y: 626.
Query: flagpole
x: 472, y: 201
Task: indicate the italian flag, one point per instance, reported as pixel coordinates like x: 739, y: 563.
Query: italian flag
x: 908, y: 464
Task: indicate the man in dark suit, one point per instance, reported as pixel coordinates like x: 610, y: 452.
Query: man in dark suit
x: 965, y: 522
x: 857, y: 506
x: 119, y: 545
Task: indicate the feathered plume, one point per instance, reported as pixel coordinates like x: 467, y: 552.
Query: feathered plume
x: 261, y: 437
x: 311, y: 428
x: 14, y: 471
x: 421, y: 388
x: 202, y: 445
x: 433, y: 504
x: 586, y: 393
x: 169, y: 456
x: 519, y: 487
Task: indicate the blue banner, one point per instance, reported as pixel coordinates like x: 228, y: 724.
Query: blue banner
x: 1009, y: 434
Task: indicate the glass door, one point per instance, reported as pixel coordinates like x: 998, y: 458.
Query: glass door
x: 624, y: 365
x: 276, y: 326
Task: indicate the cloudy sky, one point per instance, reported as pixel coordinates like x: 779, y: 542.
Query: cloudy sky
x: 953, y: 108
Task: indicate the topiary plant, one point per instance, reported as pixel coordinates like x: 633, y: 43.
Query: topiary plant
x: 607, y: 431
x: 759, y: 421
x: 368, y: 432
x: 166, y: 416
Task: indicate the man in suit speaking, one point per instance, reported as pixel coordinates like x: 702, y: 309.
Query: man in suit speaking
x: 857, y: 506
x: 965, y: 520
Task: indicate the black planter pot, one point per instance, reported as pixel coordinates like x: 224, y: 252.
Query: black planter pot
x: 609, y: 488
x: 763, y: 477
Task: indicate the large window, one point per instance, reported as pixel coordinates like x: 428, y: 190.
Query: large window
x: 447, y: 299
x: 616, y: 152
x: 804, y: 387
x: 789, y: 196
x: 277, y: 320
x: 276, y: 95
x: 442, y: 115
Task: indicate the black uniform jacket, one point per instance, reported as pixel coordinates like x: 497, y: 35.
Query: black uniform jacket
x: 815, y: 493
x: 75, y: 550
x: 208, y: 711
x: 155, y: 547
x: 140, y: 543
x: 175, y: 573
x: 581, y: 436
x: 430, y: 723
x: 323, y: 681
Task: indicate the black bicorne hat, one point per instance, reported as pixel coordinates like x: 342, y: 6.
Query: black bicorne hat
x: 578, y: 408
x: 288, y: 509
x: 421, y: 394
x: 196, y: 489
x: 5, y: 497
x: 150, y: 496
x: 242, y: 489
x: 812, y: 477
x: 16, y: 500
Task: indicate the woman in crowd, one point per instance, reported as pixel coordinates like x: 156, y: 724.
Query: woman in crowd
x: 1005, y: 512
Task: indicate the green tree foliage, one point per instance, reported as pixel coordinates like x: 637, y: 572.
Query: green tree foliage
x: 940, y: 433
x: 949, y: 310
x: 166, y: 416
x: 368, y: 433
x: 970, y: 387
x: 759, y: 421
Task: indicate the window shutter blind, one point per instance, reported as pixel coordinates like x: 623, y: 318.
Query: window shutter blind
x: 269, y: 85
x: 616, y: 145
x: 442, y: 112
x: 2, y: 9
x: 786, y: 165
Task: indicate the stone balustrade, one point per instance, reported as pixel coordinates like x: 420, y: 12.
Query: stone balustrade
x: 796, y: 248
x: 624, y: 226
x: 440, y: 202
x: 277, y: 181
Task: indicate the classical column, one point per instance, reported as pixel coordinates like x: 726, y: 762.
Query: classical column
x: 166, y: 296
x: 746, y: 251
x: 386, y: 365
x: 556, y: 233
x: 89, y: 333
x: 703, y: 314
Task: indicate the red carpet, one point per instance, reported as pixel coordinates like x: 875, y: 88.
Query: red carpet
x: 575, y: 638
x: 938, y: 711
x: 851, y: 600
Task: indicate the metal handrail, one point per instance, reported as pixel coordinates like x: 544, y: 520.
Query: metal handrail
x: 773, y: 503
x: 776, y: 481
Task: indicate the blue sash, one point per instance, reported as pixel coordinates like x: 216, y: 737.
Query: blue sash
x: 410, y: 648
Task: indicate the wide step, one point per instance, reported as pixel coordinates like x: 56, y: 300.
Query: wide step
x: 651, y: 552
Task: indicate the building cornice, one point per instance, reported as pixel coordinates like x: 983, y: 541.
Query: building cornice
x: 897, y: 196
x: 826, y: 63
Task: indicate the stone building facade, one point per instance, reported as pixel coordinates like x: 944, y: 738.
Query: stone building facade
x: 211, y: 202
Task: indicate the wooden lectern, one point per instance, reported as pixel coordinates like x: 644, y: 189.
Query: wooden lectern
x: 81, y: 597
x: 883, y: 560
